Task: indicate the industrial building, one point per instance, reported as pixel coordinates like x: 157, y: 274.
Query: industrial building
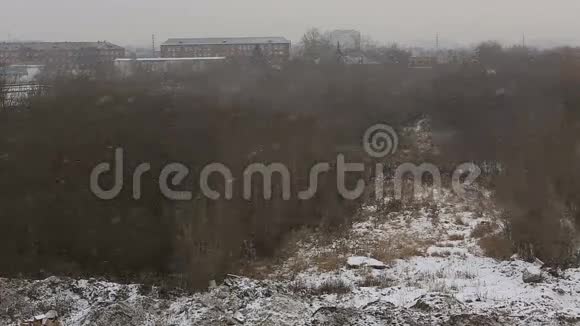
x: 61, y: 56
x: 275, y: 50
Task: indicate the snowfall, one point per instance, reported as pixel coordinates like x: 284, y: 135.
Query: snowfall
x: 445, y: 280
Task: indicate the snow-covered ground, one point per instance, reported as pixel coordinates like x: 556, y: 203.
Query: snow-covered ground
x: 426, y: 269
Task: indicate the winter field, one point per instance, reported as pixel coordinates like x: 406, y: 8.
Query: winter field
x: 422, y: 265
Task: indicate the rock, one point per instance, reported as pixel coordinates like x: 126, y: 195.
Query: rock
x: 560, y: 291
x: 358, y: 262
x: 51, y: 314
x: 538, y: 262
x: 532, y: 276
x: 239, y: 317
x: 212, y: 284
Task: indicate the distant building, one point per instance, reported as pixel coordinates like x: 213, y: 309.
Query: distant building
x: 275, y: 50
x: 348, y: 39
x: 61, y: 56
x: 128, y: 67
x: 422, y: 62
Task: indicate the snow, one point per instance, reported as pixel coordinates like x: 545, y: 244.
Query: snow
x: 357, y: 262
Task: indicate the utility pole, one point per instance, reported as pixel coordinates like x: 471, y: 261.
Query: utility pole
x: 153, y: 44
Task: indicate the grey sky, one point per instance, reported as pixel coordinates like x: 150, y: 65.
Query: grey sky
x: 408, y: 22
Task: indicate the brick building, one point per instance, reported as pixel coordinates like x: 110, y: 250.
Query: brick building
x: 275, y: 49
x: 64, y: 56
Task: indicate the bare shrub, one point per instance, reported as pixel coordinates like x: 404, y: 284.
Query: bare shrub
x: 234, y: 115
x: 299, y: 286
x: 398, y: 248
x: 496, y: 246
x: 381, y: 281
x: 329, y: 261
x: 332, y: 286
x: 441, y: 253
x: 466, y: 275
x: 483, y: 229
x: 329, y: 286
x: 527, y: 132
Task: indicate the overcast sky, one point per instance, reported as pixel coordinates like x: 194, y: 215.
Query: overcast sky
x: 408, y: 22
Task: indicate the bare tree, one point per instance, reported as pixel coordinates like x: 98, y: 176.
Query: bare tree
x: 316, y: 46
x: 388, y: 55
x: 489, y: 53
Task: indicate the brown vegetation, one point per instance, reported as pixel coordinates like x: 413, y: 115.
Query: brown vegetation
x: 329, y: 286
x: 237, y: 116
x: 523, y: 117
x: 520, y: 121
x: 381, y: 281
x: 496, y: 246
x: 483, y: 229
x: 456, y: 237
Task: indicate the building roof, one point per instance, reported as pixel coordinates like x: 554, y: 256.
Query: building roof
x: 226, y: 40
x: 43, y: 46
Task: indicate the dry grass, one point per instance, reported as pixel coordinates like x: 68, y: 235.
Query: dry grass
x: 330, y: 286
x: 465, y: 275
x: 329, y: 261
x: 371, y: 281
x: 291, y: 243
x: 483, y: 229
x: 386, y: 252
x: 298, y: 265
x: 259, y: 270
x: 441, y: 254
x: 456, y: 237
x: 496, y: 246
x: 402, y: 247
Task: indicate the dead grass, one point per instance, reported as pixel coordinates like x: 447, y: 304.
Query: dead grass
x: 330, y: 261
x: 402, y: 247
x: 291, y: 243
x: 456, y: 237
x: 330, y: 286
x: 259, y: 270
x: 465, y: 275
x: 441, y: 254
x: 496, y: 246
x: 298, y: 265
x: 483, y: 229
x: 386, y: 252
x: 372, y: 281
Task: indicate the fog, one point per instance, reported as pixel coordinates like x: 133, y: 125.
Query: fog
x: 459, y: 22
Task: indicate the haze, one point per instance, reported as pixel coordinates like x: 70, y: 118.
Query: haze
x: 412, y: 23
